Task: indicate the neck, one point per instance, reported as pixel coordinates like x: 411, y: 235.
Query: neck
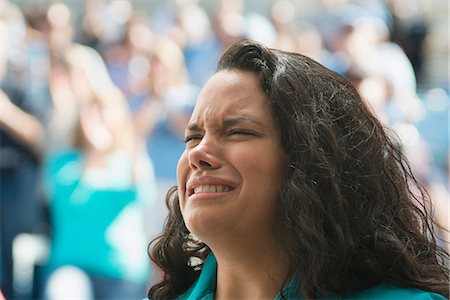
x: 258, y: 271
x: 95, y: 157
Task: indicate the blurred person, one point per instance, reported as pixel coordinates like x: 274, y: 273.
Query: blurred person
x: 64, y: 110
x: 61, y: 34
x: 163, y: 115
x: 337, y: 22
x: 282, y: 15
x: 289, y: 187
x: 23, y: 109
x: 104, y: 23
x: 369, y: 48
x: 310, y: 43
x: 375, y: 89
x: 98, y: 188
x: 363, y: 46
x: 61, y: 28
x: 303, y: 37
x: 92, y: 25
x: 259, y: 28
x: 232, y: 23
x: 128, y: 59
x: 200, y: 46
x: 188, y: 25
x: 228, y: 23
x: 410, y: 31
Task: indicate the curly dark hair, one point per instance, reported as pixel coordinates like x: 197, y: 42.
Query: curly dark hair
x: 350, y: 213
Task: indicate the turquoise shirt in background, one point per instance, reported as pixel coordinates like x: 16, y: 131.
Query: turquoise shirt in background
x: 97, y: 218
x: 205, y: 286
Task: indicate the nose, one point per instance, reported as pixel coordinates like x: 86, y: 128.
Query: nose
x: 204, y: 155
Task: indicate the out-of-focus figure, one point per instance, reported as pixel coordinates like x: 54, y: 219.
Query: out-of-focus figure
x: 162, y: 115
x: 167, y: 107
x: 410, y: 31
x: 98, y: 189
x: 23, y: 105
x: 128, y: 58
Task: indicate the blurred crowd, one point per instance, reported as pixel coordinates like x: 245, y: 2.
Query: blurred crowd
x: 95, y: 96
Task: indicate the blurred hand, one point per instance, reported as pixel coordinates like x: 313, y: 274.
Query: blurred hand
x: 24, y: 127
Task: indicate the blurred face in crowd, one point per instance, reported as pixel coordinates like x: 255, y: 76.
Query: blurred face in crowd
x: 230, y: 174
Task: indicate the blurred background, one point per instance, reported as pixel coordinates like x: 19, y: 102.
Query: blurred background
x: 95, y: 95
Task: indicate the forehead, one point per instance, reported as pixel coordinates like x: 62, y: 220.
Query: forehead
x: 232, y: 92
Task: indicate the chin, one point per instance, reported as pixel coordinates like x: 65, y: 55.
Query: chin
x: 205, y: 227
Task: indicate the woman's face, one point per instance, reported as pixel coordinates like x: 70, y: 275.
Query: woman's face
x: 230, y: 174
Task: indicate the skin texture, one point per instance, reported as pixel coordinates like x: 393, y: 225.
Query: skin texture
x: 231, y: 120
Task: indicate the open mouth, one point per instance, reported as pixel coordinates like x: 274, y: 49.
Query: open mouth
x: 208, y: 188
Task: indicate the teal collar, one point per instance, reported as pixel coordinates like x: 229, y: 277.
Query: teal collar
x: 205, y: 286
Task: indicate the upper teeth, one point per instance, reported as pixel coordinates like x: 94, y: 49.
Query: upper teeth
x: 211, y: 189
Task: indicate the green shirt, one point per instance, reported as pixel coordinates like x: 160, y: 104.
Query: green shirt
x: 98, y: 222
x: 205, y: 286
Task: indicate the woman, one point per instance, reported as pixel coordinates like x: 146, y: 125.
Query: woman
x: 290, y: 188
x: 98, y: 188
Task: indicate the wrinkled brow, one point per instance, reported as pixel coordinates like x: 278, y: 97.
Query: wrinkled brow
x: 193, y: 127
x: 230, y: 122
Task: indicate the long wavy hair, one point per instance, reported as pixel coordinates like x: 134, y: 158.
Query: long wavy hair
x: 350, y: 213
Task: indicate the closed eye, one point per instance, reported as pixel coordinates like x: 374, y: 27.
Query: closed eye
x: 241, y: 132
x: 190, y: 138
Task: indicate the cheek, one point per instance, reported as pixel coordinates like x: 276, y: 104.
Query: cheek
x: 262, y: 183
x: 266, y: 174
x: 182, y: 171
x: 265, y: 166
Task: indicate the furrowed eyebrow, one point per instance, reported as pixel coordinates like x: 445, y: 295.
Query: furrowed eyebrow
x: 230, y: 122
x: 193, y: 127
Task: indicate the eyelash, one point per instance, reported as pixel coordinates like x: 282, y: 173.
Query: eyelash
x: 240, y: 132
x: 232, y: 132
x: 192, y: 137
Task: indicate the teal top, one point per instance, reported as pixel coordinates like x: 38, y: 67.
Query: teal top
x: 98, y: 222
x: 205, y: 286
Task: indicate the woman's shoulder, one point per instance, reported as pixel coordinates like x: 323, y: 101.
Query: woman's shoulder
x: 390, y: 291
